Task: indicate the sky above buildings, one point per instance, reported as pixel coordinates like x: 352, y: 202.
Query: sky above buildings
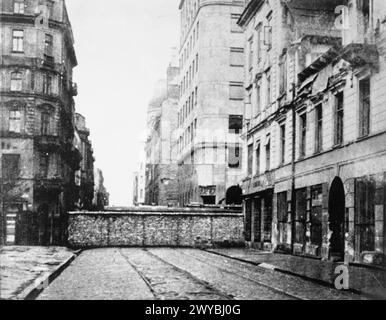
x: 123, y: 49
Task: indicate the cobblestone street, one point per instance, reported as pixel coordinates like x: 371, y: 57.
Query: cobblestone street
x: 177, y: 274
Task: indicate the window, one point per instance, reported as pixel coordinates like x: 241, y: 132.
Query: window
x: 195, y: 93
x: 196, y: 62
x: 44, y: 165
x: 268, y: 80
x: 282, y: 143
x: 45, y: 123
x: 303, y: 134
x: 258, y: 41
x: 316, y: 216
x: 234, y: 156
x: 235, y: 124
x: 257, y: 161
x: 237, y: 57
x: 268, y: 32
x: 365, y: 6
x: 250, y: 58
x: 268, y: 154
x: 48, y: 45
x: 258, y: 98
x: 250, y: 159
x: 236, y: 91
x: 283, y: 74
x: 365, y: 215
x: 10, y: 164
x: 51, y: 8
x: 32, y: 81
x: 339, y: 118
x: 47, y: 84
x: 18, y: 6
x: 17, y: 40
x: 364, y: 107
x: 15, y: 121
x: 282, y: 216
x: 16, y: 81
x: 234, y: 26
x: 300, y: 216
x: 319, y: 128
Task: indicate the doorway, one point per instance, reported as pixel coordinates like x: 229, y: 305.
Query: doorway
x: 336, y: 210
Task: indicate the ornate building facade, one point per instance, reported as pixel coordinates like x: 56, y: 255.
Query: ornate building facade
x: 37, y: 122
x: 316, y: 129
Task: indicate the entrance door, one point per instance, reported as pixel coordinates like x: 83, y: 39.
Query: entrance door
x: 336, y: 209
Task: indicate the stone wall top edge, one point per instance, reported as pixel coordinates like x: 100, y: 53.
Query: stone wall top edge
x: 164, y: 213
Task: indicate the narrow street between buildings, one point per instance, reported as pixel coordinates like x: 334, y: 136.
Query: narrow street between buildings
x: 178, y: 274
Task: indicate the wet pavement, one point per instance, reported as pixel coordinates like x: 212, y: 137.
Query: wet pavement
x: 178, y: 274
x: 21, y: 267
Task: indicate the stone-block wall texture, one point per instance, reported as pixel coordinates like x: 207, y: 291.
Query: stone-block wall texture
x: 156, y: 227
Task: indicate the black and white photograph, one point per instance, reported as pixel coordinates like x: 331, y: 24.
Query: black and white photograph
x: 213, y: 151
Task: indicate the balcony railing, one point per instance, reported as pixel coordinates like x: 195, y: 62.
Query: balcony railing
x: 47, y: 143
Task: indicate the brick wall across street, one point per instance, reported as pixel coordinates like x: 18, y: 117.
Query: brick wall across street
x: 152, y: 227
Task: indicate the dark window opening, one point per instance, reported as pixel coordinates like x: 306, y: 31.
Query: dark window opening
x: 319, y: 128
x: 235, y: 124
x: 339, y: 118
x: 303, y: 134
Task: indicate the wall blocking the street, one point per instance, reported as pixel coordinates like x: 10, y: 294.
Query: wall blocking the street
x: 153, y: 227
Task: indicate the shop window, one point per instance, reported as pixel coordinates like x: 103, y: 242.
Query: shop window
x: 316, y: 215
x: 300, y: 215
x: 282, y: 217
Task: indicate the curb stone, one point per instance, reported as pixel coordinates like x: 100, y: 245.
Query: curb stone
x: 39, y: 284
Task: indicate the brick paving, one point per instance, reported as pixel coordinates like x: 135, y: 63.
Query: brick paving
x: 20, y: 267
x: 177, y: 274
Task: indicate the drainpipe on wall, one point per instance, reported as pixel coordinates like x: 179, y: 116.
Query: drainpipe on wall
x: 293, y: 193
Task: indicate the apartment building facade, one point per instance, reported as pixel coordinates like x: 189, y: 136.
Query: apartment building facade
x: 318, y: 157
x: 161, y: 184
x: 210, y: 104
x: 38, y: 156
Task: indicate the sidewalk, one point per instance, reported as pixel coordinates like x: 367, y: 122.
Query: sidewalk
x: 367, y: 280
x: 25, y: 269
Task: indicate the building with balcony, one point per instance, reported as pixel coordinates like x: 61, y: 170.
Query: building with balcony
x: 210, y: 107
x: 38, y: 157
x: 318, y: 147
